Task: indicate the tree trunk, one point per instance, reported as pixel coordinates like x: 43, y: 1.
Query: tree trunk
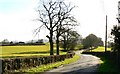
x: 64, y: 45
x: 51, y: 43
x: 57, y: 45
x: 57, y: 41
x: 67, y: 42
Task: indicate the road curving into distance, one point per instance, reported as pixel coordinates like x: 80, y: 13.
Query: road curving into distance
x: 87, y: 64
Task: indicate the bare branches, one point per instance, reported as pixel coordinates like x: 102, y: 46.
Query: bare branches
x: 118, y: 20
x: 55, y: 15
x: 36, y: 31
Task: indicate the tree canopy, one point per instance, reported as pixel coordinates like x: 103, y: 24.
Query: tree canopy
x: 92, y: 41
x: 116, y: 33
x: 70, y: 39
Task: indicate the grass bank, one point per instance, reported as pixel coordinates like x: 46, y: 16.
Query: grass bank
x: 43, y: 68
x: 107, y: 63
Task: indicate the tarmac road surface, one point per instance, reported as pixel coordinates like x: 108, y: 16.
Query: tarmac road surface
x: 87, y: 64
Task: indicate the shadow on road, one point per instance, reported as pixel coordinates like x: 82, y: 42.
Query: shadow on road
x: 88, y: 70
x: 109, y: 62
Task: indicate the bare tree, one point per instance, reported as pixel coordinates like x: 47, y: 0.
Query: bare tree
x: 48, y: 15
x: 52, y: 14
x: 66, y: 19
x: 62, y: 28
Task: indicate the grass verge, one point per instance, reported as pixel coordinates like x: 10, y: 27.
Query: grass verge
x: 43, y: 68
x: 107, y: 65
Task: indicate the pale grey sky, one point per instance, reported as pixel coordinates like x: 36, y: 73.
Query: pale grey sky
x: 16, y: 18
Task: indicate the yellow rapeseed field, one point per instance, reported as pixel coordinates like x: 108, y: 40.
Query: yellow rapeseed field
x: 101, y: 49
x: 20, y: 51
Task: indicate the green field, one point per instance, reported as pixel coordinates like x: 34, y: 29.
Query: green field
x: 101, y: 49
x: 20, y: 51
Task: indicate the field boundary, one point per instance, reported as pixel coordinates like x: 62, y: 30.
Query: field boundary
x: 10, y: 65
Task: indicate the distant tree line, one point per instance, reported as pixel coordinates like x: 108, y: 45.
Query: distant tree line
x: 6, y: 42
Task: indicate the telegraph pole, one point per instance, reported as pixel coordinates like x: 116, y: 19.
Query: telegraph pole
x: 106, y: 35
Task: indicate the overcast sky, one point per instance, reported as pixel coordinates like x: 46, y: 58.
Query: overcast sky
x: 17, y: 18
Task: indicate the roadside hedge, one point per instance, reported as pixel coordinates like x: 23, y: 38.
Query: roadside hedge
x: 12, y: 64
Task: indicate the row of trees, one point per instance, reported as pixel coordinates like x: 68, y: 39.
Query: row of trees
x: 6, y: 42
x: 55, y: 16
